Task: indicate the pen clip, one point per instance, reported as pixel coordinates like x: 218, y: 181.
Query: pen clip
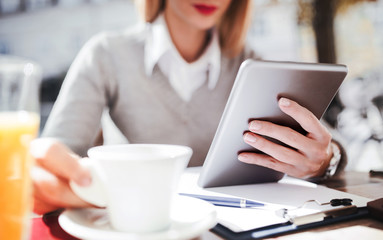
x: 320, y: 216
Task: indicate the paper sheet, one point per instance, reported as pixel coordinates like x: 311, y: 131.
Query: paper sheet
x: 287, y: 193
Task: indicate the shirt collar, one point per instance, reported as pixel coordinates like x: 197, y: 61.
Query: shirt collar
x: 159, y: 43
x: 213, y: 53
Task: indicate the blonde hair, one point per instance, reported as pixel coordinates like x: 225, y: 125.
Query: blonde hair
x: 232, y: 28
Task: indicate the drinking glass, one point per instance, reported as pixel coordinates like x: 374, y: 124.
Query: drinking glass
x: 19, y: 124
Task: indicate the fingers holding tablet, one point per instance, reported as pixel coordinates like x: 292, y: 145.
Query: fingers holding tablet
x: 308, y: 121
x: 299, y: 155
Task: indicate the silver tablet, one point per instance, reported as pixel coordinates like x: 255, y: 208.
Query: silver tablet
x: 255, y: 94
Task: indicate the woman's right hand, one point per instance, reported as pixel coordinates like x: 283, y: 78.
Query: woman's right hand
x: 55, y: 166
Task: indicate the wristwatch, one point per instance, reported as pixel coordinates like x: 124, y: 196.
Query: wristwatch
x: 334, y: 162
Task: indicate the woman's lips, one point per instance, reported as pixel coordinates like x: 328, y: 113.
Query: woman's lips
x: 205, y: 9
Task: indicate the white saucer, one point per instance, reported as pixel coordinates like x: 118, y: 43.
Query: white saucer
x: 190, y: 218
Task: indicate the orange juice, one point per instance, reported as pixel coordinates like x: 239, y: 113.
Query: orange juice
x: 17, y: 129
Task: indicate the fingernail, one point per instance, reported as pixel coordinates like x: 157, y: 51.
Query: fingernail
x: 284, y: 102
x: 250, y: 138
x: 83, y: 176
x: 241, y: 158
x: 84, y: 181
x: 255, y: 125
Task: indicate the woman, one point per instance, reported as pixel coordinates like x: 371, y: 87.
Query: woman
x: 167, y: 82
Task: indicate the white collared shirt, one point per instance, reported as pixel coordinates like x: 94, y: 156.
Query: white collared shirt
x: 184, y: 77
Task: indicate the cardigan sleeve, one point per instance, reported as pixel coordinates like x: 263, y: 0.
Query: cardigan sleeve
x: 76, y: 115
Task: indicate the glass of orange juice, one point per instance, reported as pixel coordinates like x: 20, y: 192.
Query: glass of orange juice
x: 19, y: 124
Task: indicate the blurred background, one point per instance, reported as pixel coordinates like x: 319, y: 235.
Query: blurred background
x: 51, y: 32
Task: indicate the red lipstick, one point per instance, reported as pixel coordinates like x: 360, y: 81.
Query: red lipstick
x: 205, y: 9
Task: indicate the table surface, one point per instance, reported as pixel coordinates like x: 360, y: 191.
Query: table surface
x: 359, y: 183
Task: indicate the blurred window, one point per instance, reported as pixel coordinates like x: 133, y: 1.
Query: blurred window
x: 8, y: 7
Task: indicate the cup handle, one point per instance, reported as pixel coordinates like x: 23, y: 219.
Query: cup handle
x: 95, y: 192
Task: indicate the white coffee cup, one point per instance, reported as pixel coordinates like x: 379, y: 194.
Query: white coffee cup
x: 135, y: 182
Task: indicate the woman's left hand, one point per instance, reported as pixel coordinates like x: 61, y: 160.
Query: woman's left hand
x: 311, y: 154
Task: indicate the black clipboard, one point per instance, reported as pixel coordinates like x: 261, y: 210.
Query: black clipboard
x: 284, y: 228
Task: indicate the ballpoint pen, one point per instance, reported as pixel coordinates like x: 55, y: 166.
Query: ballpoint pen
x: 226, y: 201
